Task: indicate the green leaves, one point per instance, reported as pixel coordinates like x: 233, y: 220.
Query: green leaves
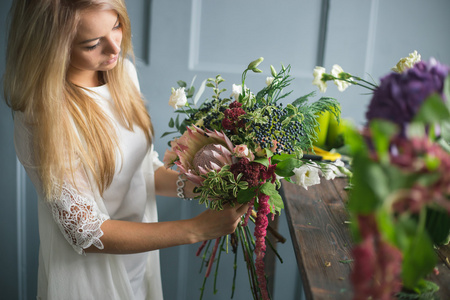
x: 285, y: 167
x: 419, y: 257
x: 275, y: 200
x: 220, y: 186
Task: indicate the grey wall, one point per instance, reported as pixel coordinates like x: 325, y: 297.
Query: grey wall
x: 178, y: 39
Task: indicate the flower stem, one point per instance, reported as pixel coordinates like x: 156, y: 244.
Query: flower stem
x: 204, y: 256
x: 217, y: 265
x: 213, y: 255
x: 233, y: 287
x: 248, y: 257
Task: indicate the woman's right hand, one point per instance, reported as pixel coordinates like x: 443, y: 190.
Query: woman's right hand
x: 212, y: 224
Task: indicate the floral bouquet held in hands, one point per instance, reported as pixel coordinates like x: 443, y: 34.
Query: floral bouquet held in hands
x: 237, y: 148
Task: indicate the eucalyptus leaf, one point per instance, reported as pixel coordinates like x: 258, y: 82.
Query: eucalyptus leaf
x: 200, y: 92
x: 193, y: 80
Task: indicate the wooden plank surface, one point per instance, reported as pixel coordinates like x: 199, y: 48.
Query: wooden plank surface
x: 442, y: 279
x: 322, y: 241
x: 320, y: 237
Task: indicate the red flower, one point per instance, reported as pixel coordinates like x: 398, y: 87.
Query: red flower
x: 231, y: 120
x: 250, y: 171
x: 260, y: 247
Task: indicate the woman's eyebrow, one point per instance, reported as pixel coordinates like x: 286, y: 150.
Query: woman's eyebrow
x: 91, y: 40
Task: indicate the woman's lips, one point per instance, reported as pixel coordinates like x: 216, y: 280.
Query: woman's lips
x: 112, y: 60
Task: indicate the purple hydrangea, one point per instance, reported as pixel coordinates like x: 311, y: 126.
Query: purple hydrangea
x: 399, y: 96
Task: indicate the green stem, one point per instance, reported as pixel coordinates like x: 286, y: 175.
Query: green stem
x: 203, y: 287
x: 248, y: 257
x: 217, y: 265
x: 233, y: 287
x: 269, y: 243
x: 204, y: 256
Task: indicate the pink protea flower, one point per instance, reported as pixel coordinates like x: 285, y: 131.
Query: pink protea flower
x: 199, y: 151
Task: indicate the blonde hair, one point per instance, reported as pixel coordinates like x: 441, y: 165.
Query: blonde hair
x: 35, y: 83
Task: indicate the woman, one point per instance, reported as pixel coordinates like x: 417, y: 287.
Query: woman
x: 85, y: 139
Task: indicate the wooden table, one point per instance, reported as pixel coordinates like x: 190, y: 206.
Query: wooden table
x: 322, y: 241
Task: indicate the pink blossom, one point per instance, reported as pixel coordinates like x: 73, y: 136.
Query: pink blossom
x: 243, y: 151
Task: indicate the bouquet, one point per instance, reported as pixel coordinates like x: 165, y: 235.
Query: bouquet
x: 237, y: 148
x: 400, y: 200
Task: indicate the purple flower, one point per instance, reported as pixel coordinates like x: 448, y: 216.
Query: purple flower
x: 399, y: 96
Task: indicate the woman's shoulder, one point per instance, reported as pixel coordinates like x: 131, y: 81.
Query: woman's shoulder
x: 132, y: 72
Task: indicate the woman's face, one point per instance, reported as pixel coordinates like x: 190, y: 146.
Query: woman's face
x: 96, y: 46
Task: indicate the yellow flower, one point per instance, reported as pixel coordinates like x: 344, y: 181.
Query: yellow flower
x: 407, y: 62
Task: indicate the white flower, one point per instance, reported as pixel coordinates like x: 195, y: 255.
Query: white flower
x: 269, y: 80
x: 236, y: 90
x: 407, y: 62
x: 178, y: 98
x: 307, y: 175
x: 341, y: 84
x: 331, y: 171
x: 318, y: 72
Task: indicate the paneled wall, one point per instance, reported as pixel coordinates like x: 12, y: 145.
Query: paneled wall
x: 177, y: 39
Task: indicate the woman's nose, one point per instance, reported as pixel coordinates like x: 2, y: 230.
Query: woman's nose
x: 113, y: 46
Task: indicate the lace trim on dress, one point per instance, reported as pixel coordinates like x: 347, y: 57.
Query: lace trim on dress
x: 78, y: 218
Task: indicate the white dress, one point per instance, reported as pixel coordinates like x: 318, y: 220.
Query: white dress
x: 72, y: 223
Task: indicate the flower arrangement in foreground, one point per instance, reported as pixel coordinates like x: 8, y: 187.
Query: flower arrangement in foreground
x: 237, y: 148
x: 400, y: 200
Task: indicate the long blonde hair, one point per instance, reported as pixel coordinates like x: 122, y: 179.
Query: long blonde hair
x: 67, y: 124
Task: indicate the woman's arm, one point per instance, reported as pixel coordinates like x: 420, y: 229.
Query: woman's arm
x: 165, y: 183
x: 123, y: 237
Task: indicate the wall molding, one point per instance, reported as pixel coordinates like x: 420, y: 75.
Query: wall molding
x: 371, y: 37
x: 323, y: 27
x: 21, y: 231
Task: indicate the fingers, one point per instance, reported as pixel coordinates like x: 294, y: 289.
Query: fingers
x: 243, y: 208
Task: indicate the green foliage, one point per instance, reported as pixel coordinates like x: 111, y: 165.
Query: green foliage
x: 377, y: 183
x: 220, y: 187
x: 275, y: 199
x: 425, y: 290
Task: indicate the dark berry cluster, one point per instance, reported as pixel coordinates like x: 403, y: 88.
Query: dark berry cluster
x: 276, y: 136
x: 212, y: 114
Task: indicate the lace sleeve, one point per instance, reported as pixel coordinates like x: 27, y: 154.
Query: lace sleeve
x: 78, y: 218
